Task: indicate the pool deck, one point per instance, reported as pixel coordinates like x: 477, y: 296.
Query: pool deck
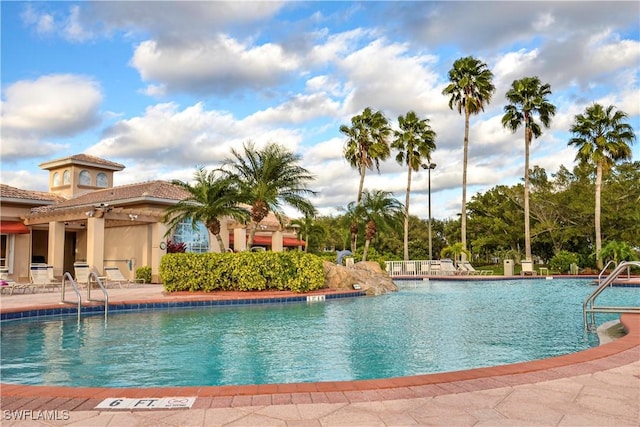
x: 598, y: 386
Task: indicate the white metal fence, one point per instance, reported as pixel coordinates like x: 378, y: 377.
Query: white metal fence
x: 421, y: 268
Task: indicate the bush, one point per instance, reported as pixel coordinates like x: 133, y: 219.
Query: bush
x: 562, y: 261
x: 143, y: 273
x: 243, y: 271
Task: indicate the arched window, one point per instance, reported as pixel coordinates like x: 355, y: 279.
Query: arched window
x: 196, y: 240
x: 66, y: 177
x: 85, y: 178
x: 101, y: 180
x: 56, y: 179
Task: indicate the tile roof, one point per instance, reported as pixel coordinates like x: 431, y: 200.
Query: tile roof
x: 9, y: 192
x: 82, y: 159
x: 162, y: 190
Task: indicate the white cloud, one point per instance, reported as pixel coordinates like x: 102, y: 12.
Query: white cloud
x: 220, y: 65
x: 52, y: 106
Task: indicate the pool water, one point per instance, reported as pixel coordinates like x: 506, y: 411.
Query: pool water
x: 426, y: 327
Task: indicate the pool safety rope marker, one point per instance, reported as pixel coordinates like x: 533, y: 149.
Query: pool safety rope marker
x: 147, y: 403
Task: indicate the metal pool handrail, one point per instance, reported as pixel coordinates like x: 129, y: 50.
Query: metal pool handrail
x: 66, y: 276
x: 104, y: 292
x: 588, y: 306
x: 605, y: 269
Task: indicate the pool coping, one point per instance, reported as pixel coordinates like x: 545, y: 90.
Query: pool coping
x: 622, y: 351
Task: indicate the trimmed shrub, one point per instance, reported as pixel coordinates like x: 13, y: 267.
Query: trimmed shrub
x: 143, y: 273
x: 243, y: 271
x: 562, y: 261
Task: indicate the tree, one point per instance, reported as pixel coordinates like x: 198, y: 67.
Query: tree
x: 618, y: 251
x: 365, y: 147
x: 471, y: 88
x: 528, y: 97
x: 267, y: 179
x: 211, y: 198
x: 382, y: 210
x: 602, y: 138
x: 414, y: 141
x: 309, y: 229
x: 456, y: 251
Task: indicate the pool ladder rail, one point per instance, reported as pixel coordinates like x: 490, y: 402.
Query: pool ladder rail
x: 67, y: 278
x: 589, y: 307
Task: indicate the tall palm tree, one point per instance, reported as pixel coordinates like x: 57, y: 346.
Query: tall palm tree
x: 383, y: 211
x: 602, y: 138
x: 471, y: 88
x: 366, y: 145
x: 267, y: 179
x: 528, y: 97
x: 414, y: 141
x: 211, y: 198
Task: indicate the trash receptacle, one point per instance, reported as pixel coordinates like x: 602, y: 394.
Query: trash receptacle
x: 508, y: 267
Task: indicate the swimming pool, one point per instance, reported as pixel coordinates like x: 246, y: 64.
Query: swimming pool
x: 427, y: 327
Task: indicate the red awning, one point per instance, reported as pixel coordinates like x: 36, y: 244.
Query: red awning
x: 266, y: 241
x: 13, y: 227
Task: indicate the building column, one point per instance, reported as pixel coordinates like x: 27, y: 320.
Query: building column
x: 95, y: 243
x: 55, y: 251
x: 239, y: 239
x: 276, y: 241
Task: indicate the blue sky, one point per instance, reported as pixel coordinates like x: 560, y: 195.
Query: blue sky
x: 163, y: 87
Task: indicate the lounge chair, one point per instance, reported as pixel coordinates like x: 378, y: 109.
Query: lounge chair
x: 52, y: 278
x: 424, y: 268
x: 435, y: 268
x: 115, y: 276
x: 466, y: 268
x: 82, y: 272
x: 7, y: 286
x: 411, y: 269
x: 447, y: 268
x: 527, y: 268
x: 40, y: 278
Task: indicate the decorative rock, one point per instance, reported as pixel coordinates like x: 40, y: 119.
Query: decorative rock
x: 368, y: 275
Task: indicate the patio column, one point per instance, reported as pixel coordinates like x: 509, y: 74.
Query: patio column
x: 276, y: 241
x: 55, y: 252
x: 95, y: 243
x: 240, y: 239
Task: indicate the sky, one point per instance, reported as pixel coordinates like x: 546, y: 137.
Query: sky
x: 166, y: 87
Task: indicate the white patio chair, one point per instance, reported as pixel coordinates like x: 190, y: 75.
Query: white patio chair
x: 115, y: 276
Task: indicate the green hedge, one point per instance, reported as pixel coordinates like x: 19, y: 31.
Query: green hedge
x: 144, y: 273
x: 243, y: 271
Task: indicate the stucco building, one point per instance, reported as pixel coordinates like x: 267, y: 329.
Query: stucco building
x: 84, y: 218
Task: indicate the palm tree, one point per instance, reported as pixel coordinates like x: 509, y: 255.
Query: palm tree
x: 602, y: 138
x: 381, y: 210
x: 414, y: 141
x: 471, y: 88
x: 456, y: 251
x: 309, y: 229
x: 528, y: 97
x: 268, y: 178
x: 366, y: 146
x: 211, y: 198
